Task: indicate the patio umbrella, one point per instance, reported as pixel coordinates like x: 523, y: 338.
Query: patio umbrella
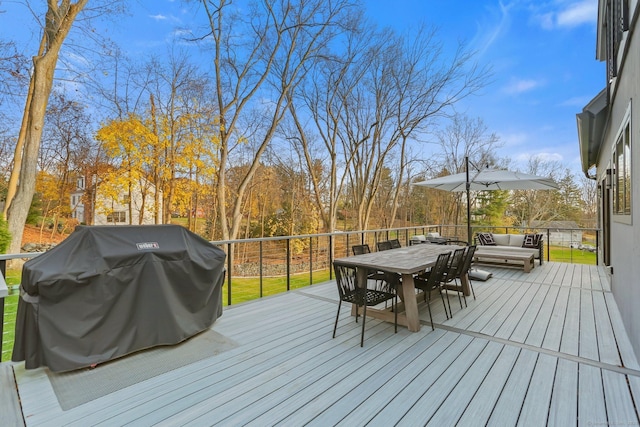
x: 488, y: 179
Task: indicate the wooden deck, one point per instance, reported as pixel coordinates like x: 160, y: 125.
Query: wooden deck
x: 539, y: 348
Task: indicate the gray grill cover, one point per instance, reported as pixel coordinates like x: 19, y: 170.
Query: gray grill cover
x: 107, y: 291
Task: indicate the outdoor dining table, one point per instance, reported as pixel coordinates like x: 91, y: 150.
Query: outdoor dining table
x: 406, y: 261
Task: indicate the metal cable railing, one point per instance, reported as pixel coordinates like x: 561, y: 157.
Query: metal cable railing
x: 257, y: 268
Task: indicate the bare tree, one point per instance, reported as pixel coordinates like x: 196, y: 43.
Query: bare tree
x: 463, y: 137
x: 534, y: 205
x: 318, y: 142
x: 174, y: 89
x: 590, y: 200
x: 409, y: 83
x: 56, y: 25
x: 262, y: 52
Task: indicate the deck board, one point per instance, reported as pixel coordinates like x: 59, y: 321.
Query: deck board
x: 620, y: 408
x: 467, y: 387
x: 570, y: 341
x: 507, y: 408
x: 540, y: 326
x: 545, y: 347
x: 482, y: 403
x: 591, y: 405
x: 563, y: 410
x: 555, y: 326
x: 426, y: 405
x: 421, y: 384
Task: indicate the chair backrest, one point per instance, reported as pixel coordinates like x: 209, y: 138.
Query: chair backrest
x: 456, y: 242
x: 346, y: 278
x: 360, y: 249
x: 395, y: 243
x: 455, y: 263
x: 437, y: 272
x: 468, y: 259
x: 384, y: 246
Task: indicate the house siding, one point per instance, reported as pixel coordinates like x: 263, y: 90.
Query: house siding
x: 625, y: 231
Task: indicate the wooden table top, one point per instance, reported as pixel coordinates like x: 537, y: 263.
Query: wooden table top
x: 404, y: 260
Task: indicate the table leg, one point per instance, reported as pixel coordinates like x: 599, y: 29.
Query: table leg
x: 408, y: 296
x: 464, y: 282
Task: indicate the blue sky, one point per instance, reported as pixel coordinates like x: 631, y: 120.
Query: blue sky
x: 542, y: 53
x: 543, y: 56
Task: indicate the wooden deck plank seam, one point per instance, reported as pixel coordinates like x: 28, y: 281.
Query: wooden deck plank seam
x: 577, y: 359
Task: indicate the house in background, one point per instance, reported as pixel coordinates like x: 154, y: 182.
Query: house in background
x: 608, y: 129
x: 96, y: 204
x: 561, y: 233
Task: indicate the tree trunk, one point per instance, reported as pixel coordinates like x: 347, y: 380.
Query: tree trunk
x: 59, y: 20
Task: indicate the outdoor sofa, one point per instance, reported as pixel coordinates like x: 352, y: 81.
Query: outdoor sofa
x: 511, y: 243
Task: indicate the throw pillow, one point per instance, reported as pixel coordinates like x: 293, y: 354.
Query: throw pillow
x: 532, y: 241
x: 486, y: 239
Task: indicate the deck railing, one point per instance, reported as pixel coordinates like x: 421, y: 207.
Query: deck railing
x: 257, y: 268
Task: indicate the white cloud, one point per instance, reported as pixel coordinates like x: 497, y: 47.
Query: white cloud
x: 517, y: 86
x: 582, y: 12
x: 567, y: 15
x: 166, y: 18
x: 488, y: 33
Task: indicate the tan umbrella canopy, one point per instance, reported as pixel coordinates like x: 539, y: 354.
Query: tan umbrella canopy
x: 488, y: 179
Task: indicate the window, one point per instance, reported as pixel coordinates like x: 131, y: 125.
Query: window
x: 80, y: 183
x: 617, y: 23
x: 117, y: 216
x: 622, y: 171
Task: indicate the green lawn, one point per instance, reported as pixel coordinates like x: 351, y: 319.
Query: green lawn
x: 10, y: 308
x: 247, y: 289
x: 570, y: 255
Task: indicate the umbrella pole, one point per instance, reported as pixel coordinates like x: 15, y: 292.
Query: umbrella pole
x: 468, y: 186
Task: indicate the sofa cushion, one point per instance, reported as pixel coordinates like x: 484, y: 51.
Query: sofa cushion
x: 501, y: 239
x: 531, y: 240
x: 516, y: 240
x: 486, y: 239
x: 508, y: 249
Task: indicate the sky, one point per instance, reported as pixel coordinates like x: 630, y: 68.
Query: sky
x: 541, y: 52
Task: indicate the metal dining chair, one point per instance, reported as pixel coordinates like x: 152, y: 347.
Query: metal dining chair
x: 432, y: 280
x: 361, y: 249
x: 372, y: 274
x: 350, y: 291
x: 384, y: 246
x: 466, y: 266
x: 453, y: 271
